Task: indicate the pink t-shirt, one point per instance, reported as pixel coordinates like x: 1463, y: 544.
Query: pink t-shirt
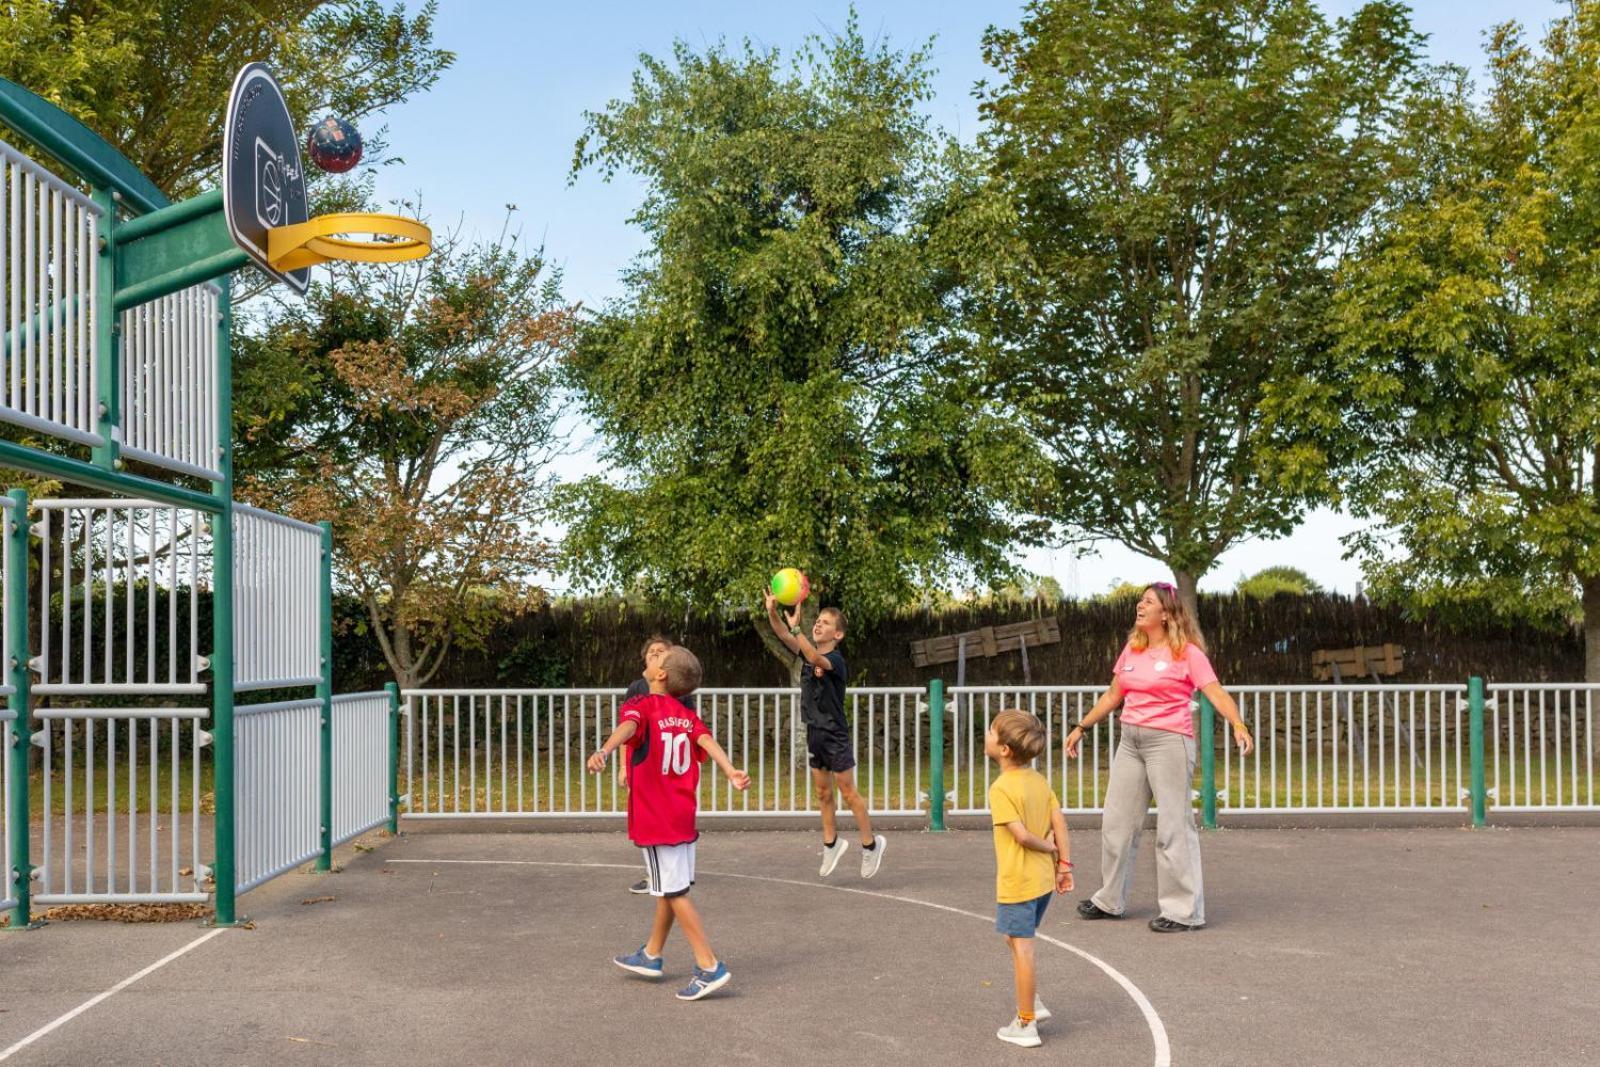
x: 1159, y: 686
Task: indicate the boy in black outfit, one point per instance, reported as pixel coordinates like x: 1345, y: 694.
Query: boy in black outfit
x: 822, y: 683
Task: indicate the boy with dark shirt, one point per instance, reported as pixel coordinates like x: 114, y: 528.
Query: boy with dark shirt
x: 823, y: 677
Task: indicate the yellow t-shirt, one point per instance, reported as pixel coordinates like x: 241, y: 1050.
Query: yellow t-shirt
x: 1023, y: 874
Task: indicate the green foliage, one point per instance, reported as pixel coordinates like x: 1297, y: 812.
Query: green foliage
x: 1123, y: 591
x: 776, y: 387
x: 152, y: 76
x: 1271, y: 581
x: 415, y: 408
x: 1184, y: 178
x: 1468, y: 348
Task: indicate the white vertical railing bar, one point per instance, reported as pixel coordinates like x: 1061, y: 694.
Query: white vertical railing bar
x: 116, y: 871
x: 276, y: 579
x: 361, y: 763
x: 48, y: 301
x: 277, y: 773
x: 114, y: 546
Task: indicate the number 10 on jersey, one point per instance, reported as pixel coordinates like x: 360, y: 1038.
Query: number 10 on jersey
x: 675, y: 755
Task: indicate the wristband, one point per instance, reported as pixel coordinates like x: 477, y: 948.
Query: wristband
x: 1064, y: 863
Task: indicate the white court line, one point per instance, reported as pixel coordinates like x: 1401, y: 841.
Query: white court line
x: 113, y: 991
x: 1158, y: 1030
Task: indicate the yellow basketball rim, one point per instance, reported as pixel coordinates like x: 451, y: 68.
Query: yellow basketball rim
x: 321, y: 239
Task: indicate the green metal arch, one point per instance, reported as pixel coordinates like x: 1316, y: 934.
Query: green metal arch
x: 77, y: 146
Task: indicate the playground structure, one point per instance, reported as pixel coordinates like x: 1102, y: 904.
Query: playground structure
x: 115, y: 366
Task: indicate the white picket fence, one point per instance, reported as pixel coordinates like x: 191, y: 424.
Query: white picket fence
x: 1327, y: 748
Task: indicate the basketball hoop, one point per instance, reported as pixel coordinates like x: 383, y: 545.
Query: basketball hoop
x: 321, y: 239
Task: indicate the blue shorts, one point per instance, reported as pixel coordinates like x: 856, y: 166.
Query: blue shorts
x: 1022, y: 919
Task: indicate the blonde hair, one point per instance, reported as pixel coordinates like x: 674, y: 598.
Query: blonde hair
x: 1181, y: 629
x: 683, y: 671
x: 1021, y: 732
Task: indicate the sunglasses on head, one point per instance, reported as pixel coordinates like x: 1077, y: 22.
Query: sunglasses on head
x: 1168, y: 586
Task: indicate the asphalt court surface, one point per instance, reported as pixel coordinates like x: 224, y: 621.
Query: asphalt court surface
x: 1416, y: 946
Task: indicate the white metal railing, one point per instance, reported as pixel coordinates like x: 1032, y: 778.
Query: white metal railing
x: 121, y: 582
x: 520, y: 752
x: 1319, y: 748
x: 276, y: 576
x: 1541, y: 747
x: 96, y: 846
x: 49, y: 282
x: 169, y: 382
x: 7, y: 718
x: 277, y: 760
x: 360, y: 763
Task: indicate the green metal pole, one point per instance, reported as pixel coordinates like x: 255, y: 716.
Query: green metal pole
x: 325, y: 694
x: 222, y: 673
x: 108, y: 330
x: 936, y: 750
x: 1480, y: 792
x: 19, y: 869
x: 1208, y: 763
x: 393, y: 689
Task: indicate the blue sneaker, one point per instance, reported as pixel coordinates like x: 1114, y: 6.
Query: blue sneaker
x: 705, y: 982
x: 640, y: 963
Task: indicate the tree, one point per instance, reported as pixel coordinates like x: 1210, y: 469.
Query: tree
x: 1184, y: 178
x: 773, y: 388
x: 415, y: 409
x: 152, y: 76
x: 1271, y: 581
x: 1468, y: 347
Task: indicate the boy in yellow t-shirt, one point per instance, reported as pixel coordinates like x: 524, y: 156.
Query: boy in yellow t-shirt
x: 1031, y: 854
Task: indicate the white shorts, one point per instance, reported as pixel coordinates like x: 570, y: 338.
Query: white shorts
x: 670, y: 869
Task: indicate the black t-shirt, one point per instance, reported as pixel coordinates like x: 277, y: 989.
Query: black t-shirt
x: 822, y: 699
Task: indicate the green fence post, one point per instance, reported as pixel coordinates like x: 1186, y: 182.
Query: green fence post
x: 1208, y: 763
x: 936, y: 750
x: 108, y: 337
x: 19, y: 869
x: 393, y: 689
x: 325, y: 694
x: 223, y: 867
x: 1480, y: 793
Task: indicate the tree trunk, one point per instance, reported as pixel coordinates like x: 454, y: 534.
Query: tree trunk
x: 1188, y: 583
x: 1591, y: 626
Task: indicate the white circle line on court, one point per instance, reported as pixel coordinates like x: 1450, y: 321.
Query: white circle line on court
x: 1158, y: 1030
x: 113, y: 991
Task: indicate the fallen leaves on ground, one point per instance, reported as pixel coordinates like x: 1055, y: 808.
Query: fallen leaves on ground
x: 127, y: 913
x: 317, y: 900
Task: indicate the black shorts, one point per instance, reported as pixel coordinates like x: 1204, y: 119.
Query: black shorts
x: 830, y: 748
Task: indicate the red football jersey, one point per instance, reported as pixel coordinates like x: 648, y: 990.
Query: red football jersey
x: 664, y: 757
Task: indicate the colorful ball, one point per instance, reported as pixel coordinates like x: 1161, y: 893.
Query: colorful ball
x: 334, y: 145
x: 790, y: 587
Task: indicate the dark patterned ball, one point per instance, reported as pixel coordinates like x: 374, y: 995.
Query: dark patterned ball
x: 334, y: 145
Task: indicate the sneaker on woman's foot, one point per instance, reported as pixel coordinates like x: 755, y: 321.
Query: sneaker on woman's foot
x: 1017, y: 1032
x: 1040, y: 1012
x: 705, y: 982
x: 1090, y: 910
x: 871, y: 857
x: 641, y: 886
x: 832, y: 854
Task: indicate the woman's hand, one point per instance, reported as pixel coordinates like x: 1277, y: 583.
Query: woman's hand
x: 1242, y: 738
x: 1074, y: 737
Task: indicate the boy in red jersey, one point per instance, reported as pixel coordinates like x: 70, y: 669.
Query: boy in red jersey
x: 666, y: 743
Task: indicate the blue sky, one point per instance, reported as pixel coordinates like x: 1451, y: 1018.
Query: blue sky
x: 499, y: 129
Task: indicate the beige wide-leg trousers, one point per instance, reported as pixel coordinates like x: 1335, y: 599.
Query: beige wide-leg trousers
x: 1148, y: 762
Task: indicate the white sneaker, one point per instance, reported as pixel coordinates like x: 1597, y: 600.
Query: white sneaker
x: 832, y: 855
x: 871, y: 857
x: 1040, y: 1012
x: 1017, y: 1034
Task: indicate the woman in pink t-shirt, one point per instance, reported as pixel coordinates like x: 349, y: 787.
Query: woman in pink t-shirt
x: 1154, y: 682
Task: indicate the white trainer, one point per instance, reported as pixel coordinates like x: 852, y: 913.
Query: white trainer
x: 831, y: 855
x: 1040, y: 1012
x: 1016, y: 1033
x: 872, y: 857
